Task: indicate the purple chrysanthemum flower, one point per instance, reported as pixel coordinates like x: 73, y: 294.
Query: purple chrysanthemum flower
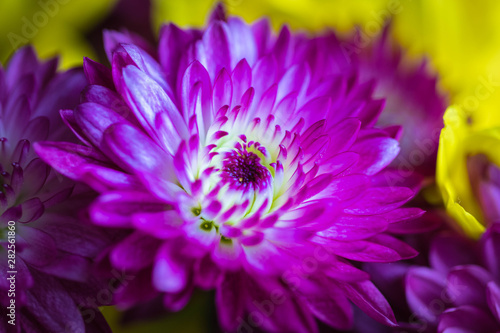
x: 244, y: 162
x: 50, y: 258
x: 460, y: 291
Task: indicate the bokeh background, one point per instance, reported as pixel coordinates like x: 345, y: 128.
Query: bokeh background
x: 460, y: 39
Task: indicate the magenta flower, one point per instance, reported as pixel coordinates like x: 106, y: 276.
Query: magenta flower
x: 244, y: 162
x: 53, y: 248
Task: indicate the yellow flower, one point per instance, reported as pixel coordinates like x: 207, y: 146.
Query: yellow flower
x: 465, y: 135
x: 52, y: 26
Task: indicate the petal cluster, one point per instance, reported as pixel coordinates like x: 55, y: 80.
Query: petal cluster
x: 239, y: 160
x: 460, y: 289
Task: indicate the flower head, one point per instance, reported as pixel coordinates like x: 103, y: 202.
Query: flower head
x: 244, y: 162
x: 53, y: 249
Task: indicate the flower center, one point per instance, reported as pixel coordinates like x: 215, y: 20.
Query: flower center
x: 242, y: 168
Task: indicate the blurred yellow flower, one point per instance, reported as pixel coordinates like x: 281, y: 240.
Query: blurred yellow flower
x: 52, y: 26
x: 460, y: 37
x: 462, y: 138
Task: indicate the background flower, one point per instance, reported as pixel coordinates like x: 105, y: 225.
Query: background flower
x: 54, y: 247
x: 412, y: 99
x: 460, y: 288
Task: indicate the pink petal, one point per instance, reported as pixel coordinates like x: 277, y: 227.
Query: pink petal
x: 170, y: 274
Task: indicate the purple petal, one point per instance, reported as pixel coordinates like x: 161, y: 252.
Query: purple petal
x: 105, y: 179
x: 176, y: 302
x: 369, y: 299
x: 262, y: 32
x: 343, y: 135
x: 107, y: 98
x: 135, y: 288
x: 18, y: 113
x: 52, y: 308
x: 264, y: 75
x: 32, y: 209
x: 466, y: 285
x: 423, y: 287
x: 341, y: 271
x: 69, y: 266
x: 376, y: 154
x: 380, y: 200
x: 139, y: 155
x: 135, y: 252
x: 97, y: 73
x: 344, y: 189
x: 216, y: 48
x: 283, y: 48
x: 197, y: 95
x: 448, y: 251
x: 93, y: 119
x: 170, y: 273
x: 493, y: 297
x: 113, y: 40
x: 466, y: 319
x: 370, y: 113
x: 63, y: 92
x: 66, y: 158
x: 230, y: 304
x: 37, y: 129
x: 218, y: 14
x: 68, y: 117
x: 116, y: 208
x: 207, y: 275
x: 23, y: 61
x: 172, y: 44
x: 148, y: 65
x: 242, y: 42
x: 490, y: 246
x: 380, y: 248
x: 74, y: 236
x: 354, y: 228
x: 37, y: 247
x: 242, y: 79
x: 35, y: 174
x: 152, y: 104
x: 223, y: 90
x: 165, y: 224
